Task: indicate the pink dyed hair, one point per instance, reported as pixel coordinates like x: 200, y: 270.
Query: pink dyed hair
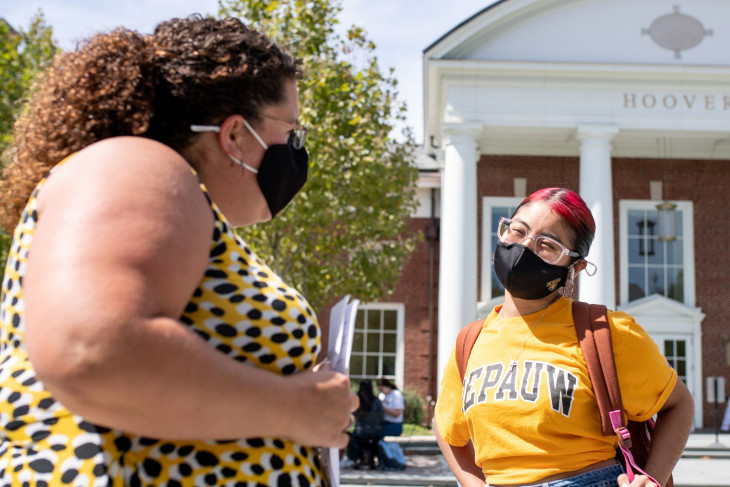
x: 571, y: 207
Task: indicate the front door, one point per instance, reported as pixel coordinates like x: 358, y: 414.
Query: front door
x: 678, y: 351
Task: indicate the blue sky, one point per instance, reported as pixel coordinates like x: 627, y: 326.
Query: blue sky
x: 401, y: 29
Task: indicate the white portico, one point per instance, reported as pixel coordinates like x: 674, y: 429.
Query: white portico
x: 592, y: 79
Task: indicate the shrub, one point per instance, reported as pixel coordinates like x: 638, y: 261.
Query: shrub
x: 414, y: 407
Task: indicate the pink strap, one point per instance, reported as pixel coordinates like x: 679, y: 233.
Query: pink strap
x: 624, y: 442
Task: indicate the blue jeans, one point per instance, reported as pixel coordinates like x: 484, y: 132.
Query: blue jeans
x: 600, y: 477
x: 392, y: 429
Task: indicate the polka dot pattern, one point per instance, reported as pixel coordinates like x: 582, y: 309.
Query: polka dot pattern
x: 241, y: 308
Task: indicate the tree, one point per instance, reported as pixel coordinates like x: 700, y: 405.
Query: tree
x: 346, y: 233
x: 23, y: 54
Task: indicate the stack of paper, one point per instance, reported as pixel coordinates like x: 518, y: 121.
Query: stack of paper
x: 342, y: 329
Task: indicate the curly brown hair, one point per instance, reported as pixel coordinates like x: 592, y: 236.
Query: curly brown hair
x: 189, y: 71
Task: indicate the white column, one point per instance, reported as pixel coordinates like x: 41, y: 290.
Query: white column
x: 458, y: 237
x: 596, y: 188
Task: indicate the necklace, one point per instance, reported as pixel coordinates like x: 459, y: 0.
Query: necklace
x: 513, y: 361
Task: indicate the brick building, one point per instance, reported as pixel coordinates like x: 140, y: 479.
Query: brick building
x: 627, y: 102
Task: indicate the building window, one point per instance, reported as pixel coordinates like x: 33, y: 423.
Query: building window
x: 377, y: 346
x: 676, y: 353
x: 650, y: 265
x: 492, y: 210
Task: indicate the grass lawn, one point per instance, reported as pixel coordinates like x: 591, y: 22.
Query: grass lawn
x: 410, y: 429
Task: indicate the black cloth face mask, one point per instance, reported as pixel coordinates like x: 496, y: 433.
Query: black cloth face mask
x: 524, y: 274
x: 282, y: 173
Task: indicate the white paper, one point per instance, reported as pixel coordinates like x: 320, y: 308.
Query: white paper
x: 348, y: 333
x: 339, y: 350
x: 337, y: 321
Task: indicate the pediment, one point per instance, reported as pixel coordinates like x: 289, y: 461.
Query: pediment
x: 592, y: 31
x: 660, y: 308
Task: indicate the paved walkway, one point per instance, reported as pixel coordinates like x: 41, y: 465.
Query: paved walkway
x: 705, y: 463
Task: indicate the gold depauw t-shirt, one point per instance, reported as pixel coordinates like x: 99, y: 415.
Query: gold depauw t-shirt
x: 541, y: 418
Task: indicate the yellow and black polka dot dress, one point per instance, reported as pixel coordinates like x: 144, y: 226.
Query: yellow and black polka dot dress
x: 240, y: 307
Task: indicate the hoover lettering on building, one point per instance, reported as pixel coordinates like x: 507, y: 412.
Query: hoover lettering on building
x: 675, y: 101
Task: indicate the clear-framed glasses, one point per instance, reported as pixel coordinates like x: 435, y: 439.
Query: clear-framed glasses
x: 548, y: 249
x: 297, y: 134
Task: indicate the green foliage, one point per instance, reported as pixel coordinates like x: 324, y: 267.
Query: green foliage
x: 414, y: 407
x: 346, y: 232
x: 23, y: 54
x: 5, y: 241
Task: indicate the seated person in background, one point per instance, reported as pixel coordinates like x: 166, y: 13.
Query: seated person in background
x: 369, y: 417
x: 394, y: 405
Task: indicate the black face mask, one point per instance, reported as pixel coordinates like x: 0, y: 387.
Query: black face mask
x: 524, y: 274
x: 282, y: 174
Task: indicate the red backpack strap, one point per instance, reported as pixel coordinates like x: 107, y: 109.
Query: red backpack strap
x: 594, y: 335
x: 465, y: 342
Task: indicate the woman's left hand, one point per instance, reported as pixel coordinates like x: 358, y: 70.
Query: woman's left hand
x: 639, y: 481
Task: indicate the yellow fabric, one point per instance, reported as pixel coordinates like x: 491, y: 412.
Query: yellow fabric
x: 240, y: 307
x: 542, y: 419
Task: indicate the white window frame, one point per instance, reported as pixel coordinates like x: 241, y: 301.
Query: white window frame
x: 688, y: 246
x: 661, y: 340
x: 487, y: 301
x: 400, y: 309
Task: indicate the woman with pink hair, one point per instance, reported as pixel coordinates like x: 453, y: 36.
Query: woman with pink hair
x: 526, y: 412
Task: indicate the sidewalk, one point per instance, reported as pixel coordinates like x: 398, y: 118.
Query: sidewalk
x: 703, y: 464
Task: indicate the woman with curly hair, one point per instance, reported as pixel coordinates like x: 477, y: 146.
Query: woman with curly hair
x: 142, y: 341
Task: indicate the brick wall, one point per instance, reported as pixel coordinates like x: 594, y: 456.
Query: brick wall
x: 421, y: 316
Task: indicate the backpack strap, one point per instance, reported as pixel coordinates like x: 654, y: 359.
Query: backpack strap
x: 465, y: 342
x: 594, y: 335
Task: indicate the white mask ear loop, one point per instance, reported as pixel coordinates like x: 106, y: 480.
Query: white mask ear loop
x: 215, y: 128
x: 257, y: 136
x: 205, y: 128
x: 243, y: 164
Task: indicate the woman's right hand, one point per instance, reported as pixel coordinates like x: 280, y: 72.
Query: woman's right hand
x: 322, y: 407
x: 639, y: 481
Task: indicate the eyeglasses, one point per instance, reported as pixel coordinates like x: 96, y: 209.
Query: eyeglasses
x: 297, y: 134
x: 547, y: 248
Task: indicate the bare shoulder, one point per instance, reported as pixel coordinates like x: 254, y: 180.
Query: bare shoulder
x: 121, y: 207
x: 125, y: 173
x: 123, y: 161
